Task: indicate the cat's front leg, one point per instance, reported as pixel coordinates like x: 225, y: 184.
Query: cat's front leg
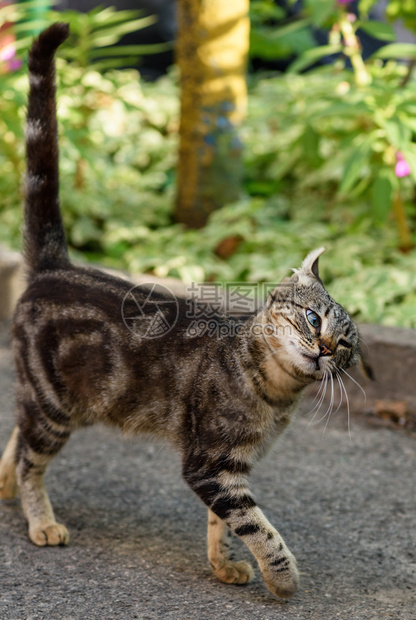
x: 227, y: 495
x: 220, y: 553
x: 276, y: 562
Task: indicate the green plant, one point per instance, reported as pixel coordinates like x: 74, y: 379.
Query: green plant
x: 378, y: 112
x: 320, y: 169
x: 117, y: 180
x: 326, y: 134
x: 275, y: 34
x: 402, y: 9
x: 93, y: 34
x: 280, y: 33
x: 117, y: 149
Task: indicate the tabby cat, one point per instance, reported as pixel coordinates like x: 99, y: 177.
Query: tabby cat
x: 221, y: 401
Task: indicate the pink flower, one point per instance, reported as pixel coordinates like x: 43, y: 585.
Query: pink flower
x: 9, y: 58
x: 402, y: 168
x: 15, y: 64
x: 8, y: 52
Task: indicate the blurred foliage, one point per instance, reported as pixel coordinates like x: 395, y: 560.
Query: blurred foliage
x: 118, y: 152
x: 274, y: 34
x: 320, y: 165
x: 93, y: 35
x: 333, y: 137
x: 402, y: 9
x: 288, y: 32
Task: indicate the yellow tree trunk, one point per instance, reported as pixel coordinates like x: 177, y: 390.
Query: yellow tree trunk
x: 212, y: 52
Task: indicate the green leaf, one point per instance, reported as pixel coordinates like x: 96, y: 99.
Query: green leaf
x: 299, y: 40
x: 33, y: 25
x: 263, y: 45
x: 409, y: 122
x: 319, y: 10
x: 292, y: 27
x: 357, y: 160
x: 130, y: 50
x: 19, y: 11
x: 398, y: 134
x: 23, y: 44
x: 382, y: 193
x: 107, y: 17
x: 124, y: 28
x: 364, y: 6
x: 310, y: 141
x: 281, y: 42
x: 265, y: 10
x: 396, y: 50
x: 115, y: 63
x: 343, y: 109
x: 379, y: 30
x: 311, y: 56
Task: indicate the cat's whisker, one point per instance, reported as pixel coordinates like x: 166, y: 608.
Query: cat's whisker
x: 348, y: 404
x: 326, y: 387
x: 329, y: 409
x: 318, y: 392
x: 332, y: 404
x: 318, y: 406
x: 322, y: 389
x: 340, y: 391
x: 356, y: 383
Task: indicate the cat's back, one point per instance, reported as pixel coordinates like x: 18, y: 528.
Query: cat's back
x: 97, y: 346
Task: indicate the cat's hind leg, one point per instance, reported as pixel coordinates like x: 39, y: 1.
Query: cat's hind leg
x: 220, y: 554
x: 39, y: 441
x: 8, y: 481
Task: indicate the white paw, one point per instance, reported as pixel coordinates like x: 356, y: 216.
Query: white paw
x: 234, y: 572
x: 281, y: 575
x: 52, y: 534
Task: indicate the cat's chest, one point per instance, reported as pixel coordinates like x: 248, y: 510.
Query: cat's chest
x: 268, y: 423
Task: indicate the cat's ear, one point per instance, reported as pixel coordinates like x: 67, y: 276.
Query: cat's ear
x: 309, y: 267
x: 365, y: 367
x: 308, y: 271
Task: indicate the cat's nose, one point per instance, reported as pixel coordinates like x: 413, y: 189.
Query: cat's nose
x: 324, y: 351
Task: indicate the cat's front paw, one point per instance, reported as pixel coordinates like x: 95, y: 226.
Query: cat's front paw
x: 234, y: 572
x: 52, y: 535
x: 281, y: 575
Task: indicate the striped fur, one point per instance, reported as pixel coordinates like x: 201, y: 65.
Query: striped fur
x: 221, y: 401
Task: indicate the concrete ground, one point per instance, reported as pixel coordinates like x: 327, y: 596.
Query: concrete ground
x: 344, y: 502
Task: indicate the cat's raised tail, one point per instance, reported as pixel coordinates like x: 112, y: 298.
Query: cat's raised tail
x: 44, y: 238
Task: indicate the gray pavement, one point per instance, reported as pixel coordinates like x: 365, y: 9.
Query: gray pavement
x: 345, y: 504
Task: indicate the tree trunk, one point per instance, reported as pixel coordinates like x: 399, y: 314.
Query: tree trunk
x: 212, y: 51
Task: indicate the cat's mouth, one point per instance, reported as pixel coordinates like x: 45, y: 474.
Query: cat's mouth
x: 308, y: 366
x: 311, y: 366
x: 320, y: 366
x: 317, y: 366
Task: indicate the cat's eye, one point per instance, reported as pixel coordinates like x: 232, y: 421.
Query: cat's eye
x: 313, y: 319
x: 345, y: 344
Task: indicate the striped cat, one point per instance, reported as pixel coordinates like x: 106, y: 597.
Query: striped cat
x: 221, y: 401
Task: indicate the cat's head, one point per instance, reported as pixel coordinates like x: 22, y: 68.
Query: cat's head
x: 314, y: 333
